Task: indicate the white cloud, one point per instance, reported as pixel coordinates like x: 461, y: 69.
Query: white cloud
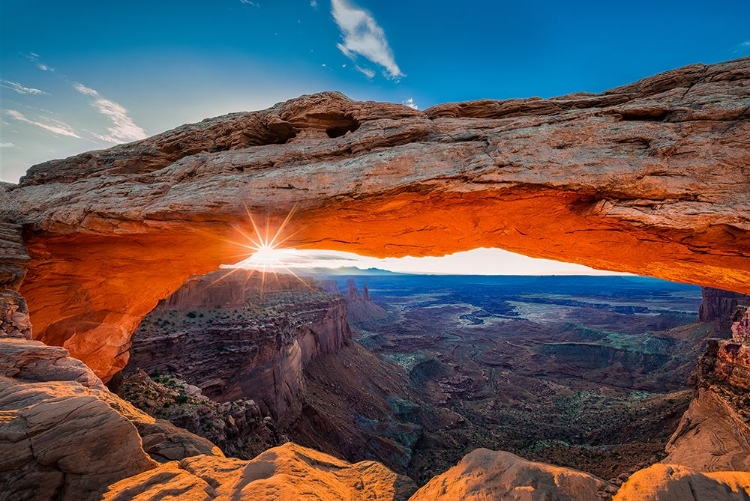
x: 49, y: 124
x: 249, y: 2
x: 34, y: 58
x: 7, y: 145
x: 365, y: 71
x: 21, y: 89
x: 314, y: 4
x: 123, y: 128
x: 363, y: 36
x: 410, y: 103
x: 742, y: 48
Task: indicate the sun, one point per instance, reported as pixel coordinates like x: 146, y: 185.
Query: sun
x: 266, y: 252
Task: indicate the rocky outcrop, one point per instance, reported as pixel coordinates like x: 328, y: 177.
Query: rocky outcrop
x: 662, y: 482
x: 283, y: 473
x: 64, y: 436
x: 484, y: 474
x: 237, y: 427
x: 256, y: 347
x: 714, y: 433
x: 59, y: 439
x: 718, y: 306
x: 646, y: 178
x: 361, y: 308
x: 740, y: 327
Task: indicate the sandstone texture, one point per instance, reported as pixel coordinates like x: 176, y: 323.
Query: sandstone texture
x: 648, y: 178
x: 257, y: 349
x: 63, y: 435
x: 283, y: 473
x: 718, y: 306
x: 714, y: 433
x: 483, y: 475
x: 662, y: 482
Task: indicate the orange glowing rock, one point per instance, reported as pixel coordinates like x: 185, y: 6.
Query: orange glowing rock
x: 648, y: 178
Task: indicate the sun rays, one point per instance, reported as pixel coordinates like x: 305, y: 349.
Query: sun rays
x: 267, y: 257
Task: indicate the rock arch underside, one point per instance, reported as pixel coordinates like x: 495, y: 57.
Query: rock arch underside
x: 651, y: 178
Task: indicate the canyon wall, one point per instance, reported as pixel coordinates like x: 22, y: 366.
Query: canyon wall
x: 255, y: 347
x: 648, y: 178
x: 719, y: 305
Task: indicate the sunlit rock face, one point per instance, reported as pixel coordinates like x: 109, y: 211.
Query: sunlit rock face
x: 484, y: 474
x: 714, y: 433
x: 648, y: 178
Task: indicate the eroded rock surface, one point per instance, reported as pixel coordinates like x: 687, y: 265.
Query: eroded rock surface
x: 647, y: 178
x: 663, y: 482
x: 256, y: 346
x: 484, y: 474
x: 714, y: 433
x: 279, y: 474
x: 718, y: 306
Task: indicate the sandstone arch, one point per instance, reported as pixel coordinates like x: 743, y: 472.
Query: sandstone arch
x: 651, y: 178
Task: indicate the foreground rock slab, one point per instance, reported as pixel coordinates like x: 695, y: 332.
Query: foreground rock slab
x: 678, y: 483
x: 484, y: 474
x: 648, y: 178
x: 283, y: 473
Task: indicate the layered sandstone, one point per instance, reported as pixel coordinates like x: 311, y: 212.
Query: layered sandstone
x: 254, y: 347
x: 647, y: 178
x: 280, y: 474
x: 64, y: 436
x: 718, y: 306
x: 714, y: 433
x: 484, y: 474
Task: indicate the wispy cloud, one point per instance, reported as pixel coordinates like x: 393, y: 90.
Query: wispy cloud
x: 50, y: 124
x: 123, y: 128
x: 21, y: 89
x: 314, y: 4
x: 363, y: 36
x: 365, y: 71
x: 410, y: 103
x: 34, y: 58
x: 7, y: 145
x: 251, y: 3
x: 742, y: 48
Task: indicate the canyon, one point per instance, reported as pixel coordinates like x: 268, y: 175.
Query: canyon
x: 649, y: 178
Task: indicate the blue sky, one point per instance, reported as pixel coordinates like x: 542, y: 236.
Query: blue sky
x: 77, y: 76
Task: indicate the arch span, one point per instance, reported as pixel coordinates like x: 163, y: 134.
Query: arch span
x: 651, y: 178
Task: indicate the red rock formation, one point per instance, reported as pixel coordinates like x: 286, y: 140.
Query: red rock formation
x: 64, y: 436
x: 256, y: 346
x: 647, y: 178
x: 484, y: 474
x: 714, y: 433
x: 288, y: 472
x: 741, y: 324
x: 718, y: 306
x: 361, y: 308
x: 678, y: 483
